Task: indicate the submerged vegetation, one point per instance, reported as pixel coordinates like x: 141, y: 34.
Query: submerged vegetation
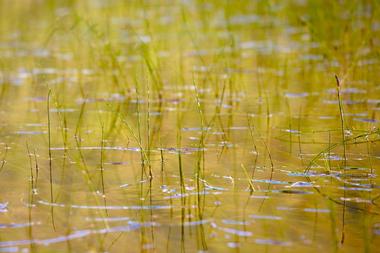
x: 189, y: 126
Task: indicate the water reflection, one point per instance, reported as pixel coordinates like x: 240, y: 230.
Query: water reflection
x: 189, y: 126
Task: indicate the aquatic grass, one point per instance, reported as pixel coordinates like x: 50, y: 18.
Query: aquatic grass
x: 148, y: 129
x: 37, y: 169
x: 31, y: 168
x: 218, y: 110
x: 63, y: 126
x: 200, y: 168
x: 31, y: 193
x: 3, y: 160
x: 249, y: 179
x: 102, y: 167
x: 358, y: 139
x: 333, y: 225
x: 299, y: 136
x: 87, y: 178
x: 50, y: 160
x: 179, y: 120
x: 255, y: 150
x: 342, y: 123
x: 348, y: 141
x: 162, y: 162
x: 271, y: 162
x: 78, y: 140
x: 143, y: 155
x: 290, y: 126
x: 147, y: 70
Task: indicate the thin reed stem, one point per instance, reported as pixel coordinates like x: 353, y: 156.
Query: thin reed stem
x: 50, y: 160
x: 338, y: 85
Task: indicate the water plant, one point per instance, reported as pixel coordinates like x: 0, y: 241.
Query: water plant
x: 208, y: 126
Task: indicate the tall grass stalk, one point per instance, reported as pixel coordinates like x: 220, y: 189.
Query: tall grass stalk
x: 252, y: 188
x: 148, y: 131
x: 31, y: 200
x: 341, y: 116
x: 63, y: 126
x: 290, y: 126
x: 3, y: 160
x: 300, y: 154
x: 82, y: 161
x: 102, y: 168
x: 255, y: 150
x: 50, y: 160
x: 37, y: 169
x: 31, y: 167
x: 143, y: 154
x: 179, y: 147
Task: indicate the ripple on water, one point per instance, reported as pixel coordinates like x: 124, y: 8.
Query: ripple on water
x: 272, y: 242
x: 296, y: 95
x: 233, y: 231
x: 366, y: 120
x: 301, y: 184
x: 4, y: 207
x: 270, y: 181
x: 106, y: 207
x: 347, y: 90
x: 376, y: 229
x: 265, y: 217
x: 25, y: 132
x: 235, y: 222
x: 289, y: 191
x: 9, y: 249
x: 18, y: 225
x: 75, y: 235
x: 233, y: 245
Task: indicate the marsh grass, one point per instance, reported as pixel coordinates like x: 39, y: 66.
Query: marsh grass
x: 3, y: 160
x: 201, y: 106
x: 103, y: 188
x: 343, y: 128
x: 31, y: 193
x: 50, y: 161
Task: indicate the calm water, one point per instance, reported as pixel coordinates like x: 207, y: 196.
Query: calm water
x: 189, y: 126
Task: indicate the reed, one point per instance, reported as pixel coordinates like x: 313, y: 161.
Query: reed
x: 31, y: 194
x: 102, y: 168
x: 200, y: 107
x: 50, y: 160
x: 3, y: 160
x: 342, y: 124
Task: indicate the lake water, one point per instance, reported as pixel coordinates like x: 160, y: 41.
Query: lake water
x: 189, y: 126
